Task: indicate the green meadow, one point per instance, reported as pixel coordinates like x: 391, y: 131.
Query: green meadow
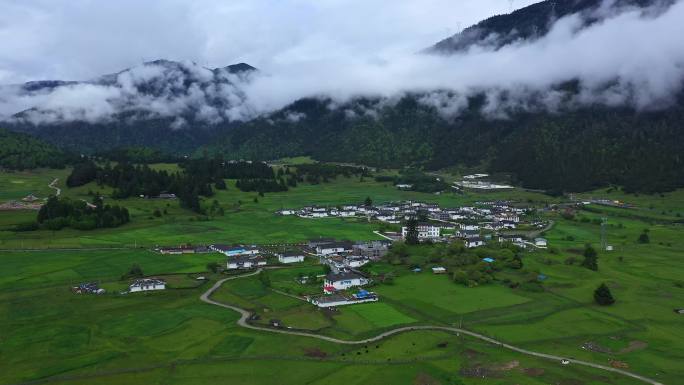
x: 245, y: 221
x: 49, y: 334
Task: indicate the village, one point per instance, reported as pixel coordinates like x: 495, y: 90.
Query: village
x: 472, y: 225
x: 344, y: 282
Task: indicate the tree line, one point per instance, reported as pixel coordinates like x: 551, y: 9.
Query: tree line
x: 58, y: 213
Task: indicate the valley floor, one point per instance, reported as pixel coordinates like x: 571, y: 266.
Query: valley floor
x: 50, y: 335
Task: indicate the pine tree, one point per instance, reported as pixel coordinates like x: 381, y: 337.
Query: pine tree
x: 590, y: 258
x: 411, y: 232
x: 603, y: 296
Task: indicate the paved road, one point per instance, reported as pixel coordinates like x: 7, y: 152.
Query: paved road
x: 57, y: 189
x: 244, y: 317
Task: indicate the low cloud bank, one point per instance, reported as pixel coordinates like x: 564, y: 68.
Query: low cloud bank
x: 633, y: 57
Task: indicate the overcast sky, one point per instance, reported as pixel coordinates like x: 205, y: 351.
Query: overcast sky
x: 81, y: 39
x: 340, y: 49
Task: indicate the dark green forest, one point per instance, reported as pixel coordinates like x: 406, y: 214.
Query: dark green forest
x: 58, y: 213
x: 20, y: 152
x: 569, y: 151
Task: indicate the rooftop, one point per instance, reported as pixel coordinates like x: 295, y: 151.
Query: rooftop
x: 342, y: 276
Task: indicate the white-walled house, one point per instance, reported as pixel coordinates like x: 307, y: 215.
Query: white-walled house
x: 343, y: 281
x: 540, y: 243
x: 290, y: 257
x: 147, y: 284
x: 511, y: 238
x: 245, y: 263
x: 425, y: 231
x: 354, y: 262
x: 333, y: 248
x: 473, y: 242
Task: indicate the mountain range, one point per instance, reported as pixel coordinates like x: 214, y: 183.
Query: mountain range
x: 183, y: 108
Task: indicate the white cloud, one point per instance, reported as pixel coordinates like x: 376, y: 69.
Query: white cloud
x: 317, y: 49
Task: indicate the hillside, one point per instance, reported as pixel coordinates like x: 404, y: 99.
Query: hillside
x: 571, y: 151
x: 21, y: 151
x: 183, y: 109
x: 148, y: 105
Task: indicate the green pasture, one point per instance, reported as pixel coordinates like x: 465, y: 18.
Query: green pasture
x: 245, y: 221
x: 18, y: 184
x: 170, y: 337
x: 417, y: 291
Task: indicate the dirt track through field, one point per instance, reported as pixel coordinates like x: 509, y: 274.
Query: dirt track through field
x: 245, y: 315
x: 57, y: 189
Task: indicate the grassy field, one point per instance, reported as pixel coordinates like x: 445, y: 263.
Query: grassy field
x: 170, y: 337
x: 245, y: 221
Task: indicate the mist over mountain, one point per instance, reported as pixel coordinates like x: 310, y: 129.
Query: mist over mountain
x: 554, y: 75
x: 153, y: 90
x: 537, y: 20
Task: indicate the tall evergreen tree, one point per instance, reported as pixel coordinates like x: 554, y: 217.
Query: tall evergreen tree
x: 411, y: 232
x: 590, y: 258
x: 603, y: 296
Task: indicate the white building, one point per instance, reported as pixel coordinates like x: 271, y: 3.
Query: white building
x: 540, y: 243
x: 425, y: 231
x: 147, y: 284
x: 386, y: 217
x: 354, y: 262
x: 473, y: 242
x: 245, y: 263
x: 333, y: 248
x: 343, y: 281
x: 317, y: 215
x: 290, y: 257
x: 511, y: 238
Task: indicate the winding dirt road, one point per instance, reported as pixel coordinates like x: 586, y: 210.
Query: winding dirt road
x: 57, y: 189
x: 244, y: 317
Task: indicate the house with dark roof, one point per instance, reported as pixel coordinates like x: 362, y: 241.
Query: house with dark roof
x: 334, y: 248
x: 343, y: 281
x: 147, y: 284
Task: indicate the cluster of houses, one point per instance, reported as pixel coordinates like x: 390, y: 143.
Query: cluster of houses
x: 240, y: 257
x: 143, y: 284
x: 87, y: 288
x: 147, y: 284
x: 492, y: 215
x: 344, y: 258
x: 479, y: 182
